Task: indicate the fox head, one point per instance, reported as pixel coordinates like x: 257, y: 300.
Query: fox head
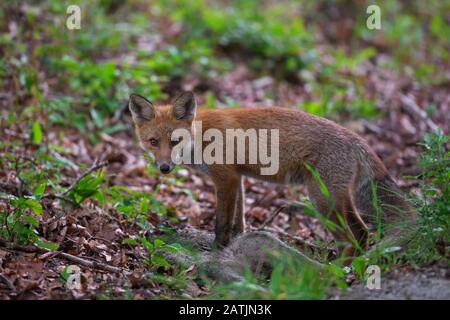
x: 155, y: 124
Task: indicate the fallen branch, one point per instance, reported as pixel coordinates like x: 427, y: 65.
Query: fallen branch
x: 300, y: 240
x: 90, y: 264
x: 60, y: 197
x: 415, y: 111
x: 295, y: 204
x: 268, y: 221
x: 75, y: 259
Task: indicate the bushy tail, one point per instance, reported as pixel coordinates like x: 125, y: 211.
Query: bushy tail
x: 398, y: 218
x: 392, y: 201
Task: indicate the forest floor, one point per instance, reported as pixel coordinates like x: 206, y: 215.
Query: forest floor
x: 96, y: 233
x: 429, y: 283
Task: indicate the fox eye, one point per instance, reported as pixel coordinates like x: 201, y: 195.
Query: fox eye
x: 153, y: 142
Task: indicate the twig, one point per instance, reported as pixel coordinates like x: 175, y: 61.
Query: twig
x: 18, y: 247
x: 75, y: 259
x: 415, y: 111
x: 97, y: 165
x: 72, y: 165
x: 60, y: 197
x: 90, y: 264
x: 295, y: 204
x: 268, y: 221
x: 300, y: 240
x: 19, y: 191
x: 260, y: 200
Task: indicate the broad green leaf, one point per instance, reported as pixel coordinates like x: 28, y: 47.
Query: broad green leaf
x: 144, y: 205
x: 34, y: 206
x: 46, y: 245
x: 158, y: 243
x: 146, y: 244
x: 160, y: 261
x: 129, y: 241
x: 96, y: 118
x: 31, y: 221
x: 336, y: 270
x: 10, y: 219
x: 40, y: 189
x: 64, y: 275
x: 36, y: 133
x: 175, y: 247
x: 359, y: 264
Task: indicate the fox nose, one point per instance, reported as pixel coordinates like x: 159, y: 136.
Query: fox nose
x: 164, y: 168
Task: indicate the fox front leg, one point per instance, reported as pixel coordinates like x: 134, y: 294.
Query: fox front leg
x: 239, y: 219
x: 226, y: 195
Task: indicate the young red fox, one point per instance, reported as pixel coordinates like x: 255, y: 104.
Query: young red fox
x: 346, y: 164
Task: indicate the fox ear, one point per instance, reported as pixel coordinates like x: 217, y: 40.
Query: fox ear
x: 185, y: 106
x: 141, y: 109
